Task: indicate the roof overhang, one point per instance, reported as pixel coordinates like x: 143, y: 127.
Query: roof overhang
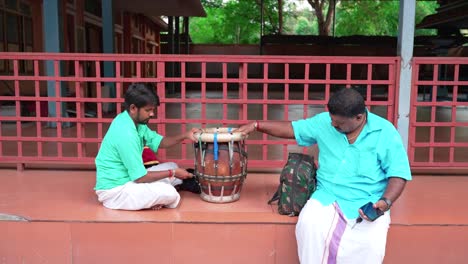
x: 159, y: 22
x: 453, y: 15
x: 151, y: 8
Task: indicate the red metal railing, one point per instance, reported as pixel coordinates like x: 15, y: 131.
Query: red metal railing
x: 439, y: 113
x: 195, y: 91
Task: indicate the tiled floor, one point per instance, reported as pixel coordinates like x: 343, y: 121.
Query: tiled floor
x: 41, y: 195
x: 68, y: 225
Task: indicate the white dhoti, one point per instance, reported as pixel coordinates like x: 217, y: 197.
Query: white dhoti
x: 325, y: 235
x: 137, y: 196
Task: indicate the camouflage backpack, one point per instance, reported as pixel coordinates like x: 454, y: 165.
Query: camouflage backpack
x: 297, y: 183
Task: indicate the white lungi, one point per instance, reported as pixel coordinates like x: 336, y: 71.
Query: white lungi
x: 325, y: 235
x: 137, y: 196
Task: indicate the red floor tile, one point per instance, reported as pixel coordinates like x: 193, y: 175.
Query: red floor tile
x: 122, y: 243
x: 253, y: 198
x: 22, y: 242
x: 285, y: 244
x: 427, y: 244
x: 214, y: 244
x: 436, y: 200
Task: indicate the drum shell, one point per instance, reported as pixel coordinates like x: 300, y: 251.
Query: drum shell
x: 223, y: 177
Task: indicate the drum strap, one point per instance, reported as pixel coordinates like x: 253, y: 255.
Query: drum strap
x: 202, y: 153
x: 231, y: 152
x: 215, y: 143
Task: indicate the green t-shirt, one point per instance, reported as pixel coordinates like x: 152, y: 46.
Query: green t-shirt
x: 119, y: 158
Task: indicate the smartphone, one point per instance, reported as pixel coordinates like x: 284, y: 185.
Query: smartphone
x: 371, y: 212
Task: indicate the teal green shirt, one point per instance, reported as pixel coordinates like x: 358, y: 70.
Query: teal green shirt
x: 119, y: 159
x: 353, y: 174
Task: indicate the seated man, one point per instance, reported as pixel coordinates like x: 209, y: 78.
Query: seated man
x: 362, y: 159
x: 122, y: 182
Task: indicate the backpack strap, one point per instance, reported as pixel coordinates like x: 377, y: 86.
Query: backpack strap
x: 275, y: 196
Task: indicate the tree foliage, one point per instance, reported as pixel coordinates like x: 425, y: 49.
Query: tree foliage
x: 239, y: 21
x: 305, y: 27
x: 374, y: 18
x: 301, y: 22
x: 234, y: 22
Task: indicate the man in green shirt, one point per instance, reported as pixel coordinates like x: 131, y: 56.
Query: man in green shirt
x: 122, y: 182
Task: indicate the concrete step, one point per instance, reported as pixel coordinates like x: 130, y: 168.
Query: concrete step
x: 54, y: 217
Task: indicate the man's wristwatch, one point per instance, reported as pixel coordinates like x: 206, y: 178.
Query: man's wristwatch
x: 387, y: 201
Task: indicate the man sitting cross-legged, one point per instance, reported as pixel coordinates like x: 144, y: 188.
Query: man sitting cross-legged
x: 122, y: 181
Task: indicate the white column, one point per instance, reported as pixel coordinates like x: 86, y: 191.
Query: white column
x: 405, y: 51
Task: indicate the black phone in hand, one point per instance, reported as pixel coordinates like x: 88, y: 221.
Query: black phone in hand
x: 371, y: 212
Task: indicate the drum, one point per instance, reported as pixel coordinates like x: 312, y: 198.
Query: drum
x: 220, y: 164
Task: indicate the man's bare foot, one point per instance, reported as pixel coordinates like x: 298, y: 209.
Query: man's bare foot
x: 157, y: 207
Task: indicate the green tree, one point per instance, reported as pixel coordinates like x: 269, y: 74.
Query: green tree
x: 300, y: 22
x: 207, y: 30
x: 305, y: 27
x: 239, y: 22
x: 234, y: 22
x: 424, y: 8
x: 375, y: 18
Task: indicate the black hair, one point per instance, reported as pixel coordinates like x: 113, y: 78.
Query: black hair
x: 141, y: 95
x: 346, y: 102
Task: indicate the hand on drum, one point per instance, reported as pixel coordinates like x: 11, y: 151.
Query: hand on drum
x: 182, y: 174
x: 191, y: 134
x: 247, y: 128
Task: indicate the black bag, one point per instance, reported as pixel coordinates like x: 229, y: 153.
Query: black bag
x: 297, y: 183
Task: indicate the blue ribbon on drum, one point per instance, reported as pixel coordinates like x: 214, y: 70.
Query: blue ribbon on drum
x: 215, y: 143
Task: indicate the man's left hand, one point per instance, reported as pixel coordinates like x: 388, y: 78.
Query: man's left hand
x: 382, y: 205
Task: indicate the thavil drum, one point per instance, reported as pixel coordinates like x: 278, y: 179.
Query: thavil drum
x: 220, y: 164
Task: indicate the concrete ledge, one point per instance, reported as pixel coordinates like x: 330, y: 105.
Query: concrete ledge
x: 65, y: 224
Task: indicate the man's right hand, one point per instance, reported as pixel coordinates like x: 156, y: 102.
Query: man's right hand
x: 182, y: 174
x: 191, y: 134
x: 247, y: 128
